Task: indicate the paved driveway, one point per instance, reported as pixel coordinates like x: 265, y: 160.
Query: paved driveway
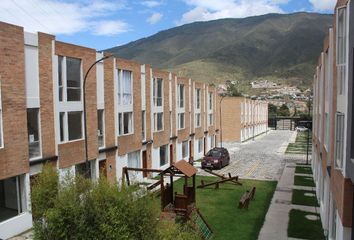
x: 262, y: 158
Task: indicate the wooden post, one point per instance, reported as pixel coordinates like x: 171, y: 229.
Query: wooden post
x: 194, y: 191
x: 171, y: 183
x: 162, y: 190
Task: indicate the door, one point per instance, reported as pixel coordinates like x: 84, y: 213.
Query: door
x: 205, y: 146
x: 171, y: 154
x: 102, y: 165
x: 144, y: 163
x: 190, y: 152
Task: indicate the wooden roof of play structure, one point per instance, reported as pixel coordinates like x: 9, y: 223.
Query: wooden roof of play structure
x: 181, y: 167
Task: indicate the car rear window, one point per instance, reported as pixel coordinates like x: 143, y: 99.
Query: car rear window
x: 214, y: 154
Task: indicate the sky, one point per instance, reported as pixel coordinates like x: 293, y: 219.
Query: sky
x: 102, y: 24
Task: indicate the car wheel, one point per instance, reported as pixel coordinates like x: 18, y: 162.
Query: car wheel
x: 220, y: 165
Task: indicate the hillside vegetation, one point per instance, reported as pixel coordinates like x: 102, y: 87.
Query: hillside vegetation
x: 278, y: 47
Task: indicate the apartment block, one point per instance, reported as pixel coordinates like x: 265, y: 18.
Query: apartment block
x: 136, y: 116
x: 333, y: 138
x: 242, y: 118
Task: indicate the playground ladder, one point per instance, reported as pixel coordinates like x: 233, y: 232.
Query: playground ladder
x: 200, y: 224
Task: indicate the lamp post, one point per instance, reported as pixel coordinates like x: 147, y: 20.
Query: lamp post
x: 85, y: 113
x: 222, y: 97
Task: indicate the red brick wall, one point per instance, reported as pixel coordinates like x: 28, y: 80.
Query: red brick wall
x: 88, y: 57
x: 14, y: 155
x: 132, y: 142
x: 46, y: 96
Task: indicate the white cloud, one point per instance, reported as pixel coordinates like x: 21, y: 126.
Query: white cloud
x: 323, y: 5
x: 154, y: 18
x: 110, y: 27
x: 60, y: 17
x: 205, y: 10
x: 151, y: 3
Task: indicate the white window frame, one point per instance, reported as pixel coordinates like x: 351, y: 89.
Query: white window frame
x: 66, y: 127
x: 181, y: 124
x: 39, y: 134
x: 143, y: 125
x: 155, y: 90
x: 181, y: 101
x: 64, y: 80
x: 103, y: 127
x: 198, y: 122
x: 121, y: 87
x: 200, y: 145
x: 167, y: 160
x: 339, y: 140
x: 155, y: 122
x: 121, y: 124
x: 185, y: 144
x: 341, y: 60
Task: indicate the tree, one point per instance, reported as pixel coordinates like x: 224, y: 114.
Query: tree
x: 233, y: 89
x: 272, y: 110
x: 283, y: 111
x: 81, y: 209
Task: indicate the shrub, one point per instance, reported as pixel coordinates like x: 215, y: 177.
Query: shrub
x: 81, y: 209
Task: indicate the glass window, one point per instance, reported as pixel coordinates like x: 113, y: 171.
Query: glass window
x: 100, y: 127
x: 339, y: 145
x: 61, y: 120
x: 125, y: 123
x: 143, y: 124
x: 210, y: 101
x: 127, y: 117
x: 125, y: 87
x: 80, y: 169
x: 11, y: 203
x: 184, y: 149
x: 200, y: 145
x: 180, y: 95
x: 73, y: 79
x: 163, y: 155
x: 33, y: 132
x: 157, y: 92
x: 341, y: 48
x: 181, y: 120
x: 74, y: 125
x: 197, y: 96
x: 197, y: 120
x: 60, y: 77
x: 158, y: 118
x: 134, y: 162
x: 210, y: 119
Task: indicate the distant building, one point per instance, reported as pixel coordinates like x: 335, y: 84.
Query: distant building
x: 242, y: 118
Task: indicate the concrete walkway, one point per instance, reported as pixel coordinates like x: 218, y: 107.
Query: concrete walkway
x: 276, y: 223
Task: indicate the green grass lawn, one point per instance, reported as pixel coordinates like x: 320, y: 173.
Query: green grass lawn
x: 300, y: 145
x: 301, y: 227
x: 304, y: 181
x: 300, y: 198
x: 220, y: 207
x: 303, y: 169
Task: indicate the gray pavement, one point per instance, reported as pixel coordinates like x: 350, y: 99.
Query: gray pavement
x: 262, y: 158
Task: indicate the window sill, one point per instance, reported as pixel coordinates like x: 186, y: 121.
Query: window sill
x: 127, y: 134
x: 158, y: 131
x: 72, y: 141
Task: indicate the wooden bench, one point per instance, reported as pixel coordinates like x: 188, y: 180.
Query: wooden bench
x: 246, y: 198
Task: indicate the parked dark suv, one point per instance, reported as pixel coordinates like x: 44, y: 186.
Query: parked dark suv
x: 216, y: 158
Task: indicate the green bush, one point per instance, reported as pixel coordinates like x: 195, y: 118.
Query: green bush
x: 81, y: 209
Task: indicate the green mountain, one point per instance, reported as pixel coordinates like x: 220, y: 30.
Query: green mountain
x: 278, y: 47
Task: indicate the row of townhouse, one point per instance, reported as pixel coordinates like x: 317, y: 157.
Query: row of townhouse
x: 243, y: 118
x: 137, y: 116
x: 333, y: 136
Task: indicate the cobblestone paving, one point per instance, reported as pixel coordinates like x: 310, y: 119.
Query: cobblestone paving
x: 262, y: 158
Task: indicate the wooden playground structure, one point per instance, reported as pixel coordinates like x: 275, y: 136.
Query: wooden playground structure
x: 174, y: 203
